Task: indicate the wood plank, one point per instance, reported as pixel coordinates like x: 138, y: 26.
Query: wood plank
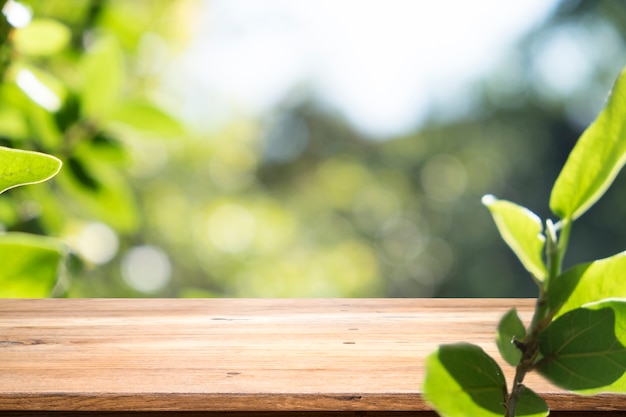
x: 236, y: 355
x: 273, y: 414
x: 231, y: 414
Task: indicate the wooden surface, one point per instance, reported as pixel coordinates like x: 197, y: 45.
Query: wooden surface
x: 237, y: 355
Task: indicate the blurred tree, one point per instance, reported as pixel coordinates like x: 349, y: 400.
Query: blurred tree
x: 298, y: 203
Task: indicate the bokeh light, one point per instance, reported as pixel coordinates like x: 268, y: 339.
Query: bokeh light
x: 146, y: 268
x: 231, y: 227
x: 444, y: 178
x: 18, y: 14
x: 95, y: 242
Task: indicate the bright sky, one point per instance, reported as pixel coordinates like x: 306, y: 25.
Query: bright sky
x: 381, y: 63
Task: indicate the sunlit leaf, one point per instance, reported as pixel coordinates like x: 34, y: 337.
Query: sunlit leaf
x: 588, y: 283
x: 102, y: 71
x: 38, y: 120
x: 42, y: 37
x: 529, y: 404
x: 464, y: 381
x: 147, y: 118
x: 42, y: 124
x: 510, y: 327
x: 18, y: 167
x: 582, y: 352
x: 40, y: 86
x: 30, y: 265
x: 595, y: 160
x: 521, y: 229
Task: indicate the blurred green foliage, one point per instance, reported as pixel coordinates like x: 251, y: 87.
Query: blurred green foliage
x: 298, y: 203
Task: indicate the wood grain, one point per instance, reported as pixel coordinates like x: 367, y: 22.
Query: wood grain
x: 242, y: 355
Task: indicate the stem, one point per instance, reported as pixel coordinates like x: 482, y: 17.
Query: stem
x: 555, y: 250
x: 515, y: 391
x: 530, y: 351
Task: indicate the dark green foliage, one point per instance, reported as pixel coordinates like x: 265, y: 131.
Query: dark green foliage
x: 580, y: 350
x: 511, y: 330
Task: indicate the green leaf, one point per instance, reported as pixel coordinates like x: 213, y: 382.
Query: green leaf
x: 12, y: 123
x: 103, y: 72
x: 582, y: 352
x: 69, y: 112
x: 41, y: 87
x: 38, y: 122
x: 42, y: 37
x: 102, y: 148
x: 522, y: 230
x: 53, y: 214
x: 510, y: 327
x: 587, y: 283
x: 30, y: 265
x: 147, y: 118
x: 82, y: 175
x: 529, y: 404
x: 100, y: 191
x: 595, y: 160
x: 618, y: 305
x: 464, y: 381
x: 19, y: 167
x: 107, y: 148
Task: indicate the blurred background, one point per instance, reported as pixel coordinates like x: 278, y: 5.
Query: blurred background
x: 302, y: 148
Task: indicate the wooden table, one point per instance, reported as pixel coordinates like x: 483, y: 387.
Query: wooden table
x: 235, y: 357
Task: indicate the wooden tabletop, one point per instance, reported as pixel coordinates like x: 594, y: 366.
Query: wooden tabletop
x: 242, y: 354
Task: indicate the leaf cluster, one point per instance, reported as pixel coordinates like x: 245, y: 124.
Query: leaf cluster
x: 64, y: 91
x: 577, y: 337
